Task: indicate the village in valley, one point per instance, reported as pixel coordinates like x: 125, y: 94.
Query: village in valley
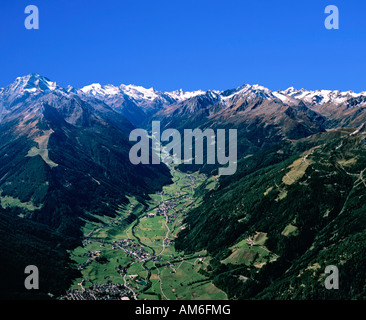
x: 132, y: 256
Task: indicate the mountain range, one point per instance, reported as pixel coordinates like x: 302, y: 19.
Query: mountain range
x: 301, y: 158
x: 137, y: 103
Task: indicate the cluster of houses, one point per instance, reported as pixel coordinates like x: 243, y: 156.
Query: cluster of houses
x: 132, y: 249
x: 91, y: 256
x: 105, y: 291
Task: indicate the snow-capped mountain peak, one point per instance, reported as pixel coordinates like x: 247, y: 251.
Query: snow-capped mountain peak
x: 247, y: 92
x: 139, y: 93
x: 96, y: 89
x: 32, y: 83
x: 318, y: 97
x: 180, y: 95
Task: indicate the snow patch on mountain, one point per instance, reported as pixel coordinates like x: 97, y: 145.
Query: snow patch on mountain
x: 180, y: 95
x: 317, y: 97
x: 138, y: 93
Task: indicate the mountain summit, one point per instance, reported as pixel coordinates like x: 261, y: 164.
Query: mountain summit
x: 32, y: 83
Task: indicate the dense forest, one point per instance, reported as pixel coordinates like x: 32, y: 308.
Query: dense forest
x: 308, y: 198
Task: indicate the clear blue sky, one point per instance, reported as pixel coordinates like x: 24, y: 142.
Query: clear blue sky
x: 190, y: 44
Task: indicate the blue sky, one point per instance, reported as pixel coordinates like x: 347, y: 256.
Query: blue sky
x: 200, y: 44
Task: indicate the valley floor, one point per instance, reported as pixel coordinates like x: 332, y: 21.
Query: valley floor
x: 137, y: 260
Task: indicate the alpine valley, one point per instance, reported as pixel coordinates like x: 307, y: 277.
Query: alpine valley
x: 99, y: 227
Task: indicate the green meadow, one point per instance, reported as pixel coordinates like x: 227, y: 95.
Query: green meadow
x: 172, y: 275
